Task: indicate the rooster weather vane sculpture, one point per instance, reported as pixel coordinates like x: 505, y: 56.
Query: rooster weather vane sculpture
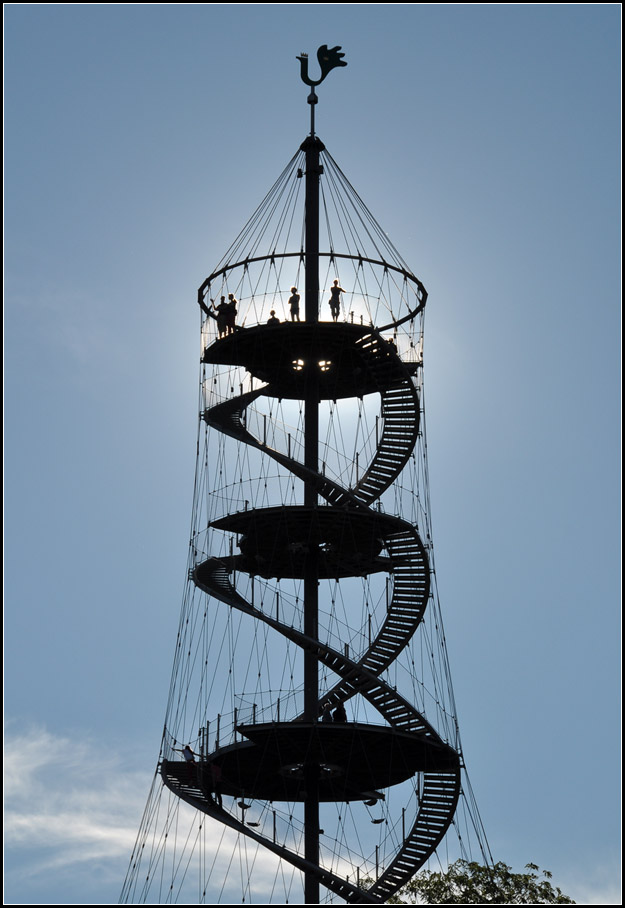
x: 329, y: 59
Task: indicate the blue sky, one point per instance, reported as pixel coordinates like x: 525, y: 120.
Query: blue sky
x: 486, y: 141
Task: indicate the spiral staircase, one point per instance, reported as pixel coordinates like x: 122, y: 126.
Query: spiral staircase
x: 353, y: 761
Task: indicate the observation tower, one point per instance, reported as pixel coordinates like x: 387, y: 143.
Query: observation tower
x: 310, y: 735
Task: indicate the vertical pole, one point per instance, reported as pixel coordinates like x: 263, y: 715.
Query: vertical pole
x: 312, y: 147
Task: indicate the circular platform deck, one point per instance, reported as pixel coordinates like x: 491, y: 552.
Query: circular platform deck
x: 351, y: 761
x: 275, y: 542
x: 286, y: 355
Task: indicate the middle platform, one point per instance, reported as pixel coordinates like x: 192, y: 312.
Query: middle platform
x: 274, y: 542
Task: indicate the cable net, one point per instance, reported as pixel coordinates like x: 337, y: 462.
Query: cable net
x: 238, y: 664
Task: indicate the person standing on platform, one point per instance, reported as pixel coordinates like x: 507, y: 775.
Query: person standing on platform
x: 231, y: 314
x: 294, y: 304
x: 221, y: 316
x: 335, y: 300
x: 216, y: 783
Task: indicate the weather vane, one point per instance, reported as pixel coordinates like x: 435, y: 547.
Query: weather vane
x: 329, y: 58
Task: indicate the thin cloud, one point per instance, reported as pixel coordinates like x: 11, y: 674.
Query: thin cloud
x: 71, y: 818
x: 68, y: 799
x: 594, y: 888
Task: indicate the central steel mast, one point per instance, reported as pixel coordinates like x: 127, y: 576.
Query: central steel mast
x: 328, y: 59
x: 312, y: 147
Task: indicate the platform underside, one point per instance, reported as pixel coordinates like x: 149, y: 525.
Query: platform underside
x: 285, y: 355
x: 352, y: 761
x: 275, y: 542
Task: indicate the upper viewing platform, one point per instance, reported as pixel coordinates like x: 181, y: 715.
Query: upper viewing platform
x: 350, y: 360
x: 262, y: 280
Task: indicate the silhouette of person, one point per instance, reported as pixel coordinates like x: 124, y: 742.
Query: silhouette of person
x: 188, y: 754
x: 221, y: 316
x: 326, y: 715
x: 391, y: 343
x: 294, y: 304
x: 335, y: 300
x: 231, y: 314
x: 273, y: 320
x: 216, y: 783
x: 339, y: 714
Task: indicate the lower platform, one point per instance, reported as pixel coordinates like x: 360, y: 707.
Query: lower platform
x: 352, y: 761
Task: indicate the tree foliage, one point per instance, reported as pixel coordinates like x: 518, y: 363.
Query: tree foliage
x: 470, y: 883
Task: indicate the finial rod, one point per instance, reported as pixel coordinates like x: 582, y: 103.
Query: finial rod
x: 312, y: 100
x: 329, y: 59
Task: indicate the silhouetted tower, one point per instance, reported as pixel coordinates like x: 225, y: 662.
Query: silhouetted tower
x: 324, y: 730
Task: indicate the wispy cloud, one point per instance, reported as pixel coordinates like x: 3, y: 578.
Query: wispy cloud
x: 67, y: 804
x: 598, y: 886
x: 72, y: 813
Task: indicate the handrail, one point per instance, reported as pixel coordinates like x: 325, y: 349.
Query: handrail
x: 331, y: 255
